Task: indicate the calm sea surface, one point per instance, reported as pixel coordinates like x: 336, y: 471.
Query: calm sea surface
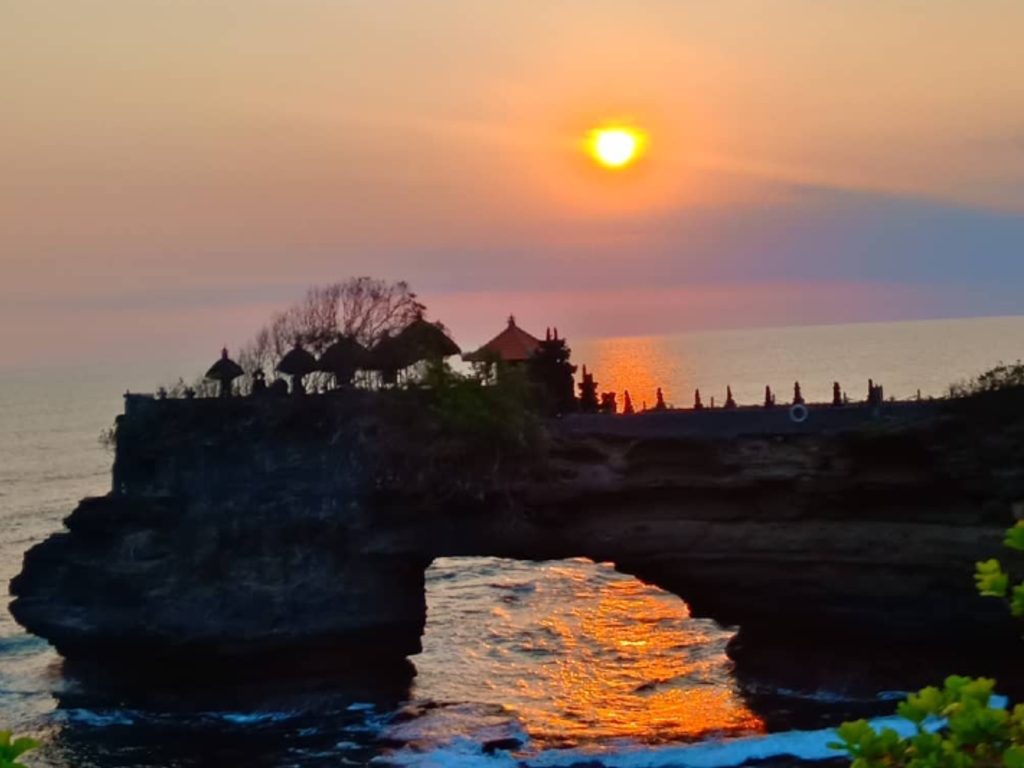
x: 564, y: 654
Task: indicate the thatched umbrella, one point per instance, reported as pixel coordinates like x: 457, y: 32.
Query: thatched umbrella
x: 388, y: 356
x: 342, y: 359
x: 297, y: 363
x: 225, y: 371
x: 428, y: 341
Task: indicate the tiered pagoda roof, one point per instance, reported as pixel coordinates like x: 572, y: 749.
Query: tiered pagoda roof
x: 512, y: 345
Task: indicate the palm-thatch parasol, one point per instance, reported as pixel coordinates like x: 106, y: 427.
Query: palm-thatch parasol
x: 428, y: 341
x: 225, y: 370
x: 297, y: 363
x: 388, y: 356
x: 342, y: 359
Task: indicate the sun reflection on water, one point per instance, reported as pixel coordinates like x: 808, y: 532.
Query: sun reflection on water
x: 580, y: 654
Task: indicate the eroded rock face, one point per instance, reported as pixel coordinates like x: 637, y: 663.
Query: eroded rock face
x: 141, y: 582
x: 242, y: 531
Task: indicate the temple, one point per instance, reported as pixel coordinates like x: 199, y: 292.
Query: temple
x: 512, y: 345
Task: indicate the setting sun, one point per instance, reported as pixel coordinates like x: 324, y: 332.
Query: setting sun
x: 615, y: 147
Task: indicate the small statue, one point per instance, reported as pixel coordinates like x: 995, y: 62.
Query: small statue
x: 259, y: 382
x: 730, y: 402
x: 627, y: 404
x: 588, y: 393
x: 608, y: 405
x: 659, y: 404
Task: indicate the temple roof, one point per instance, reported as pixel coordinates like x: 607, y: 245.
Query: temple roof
x: 298, y: 362
x: 513, y: 345
x: 225, y: 369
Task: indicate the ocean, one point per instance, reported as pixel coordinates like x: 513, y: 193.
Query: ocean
x: 570, y: 659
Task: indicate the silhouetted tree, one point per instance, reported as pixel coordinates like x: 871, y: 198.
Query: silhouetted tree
x: 729, y: 401
x: 837, y: 394
x: 362, y: 308
x: 769, y: 401
x: 798, y: 397
x: 608, y: 404
x: 549, y: 367
x: 697, y: 403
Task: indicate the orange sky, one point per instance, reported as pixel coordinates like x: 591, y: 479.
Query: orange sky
x: 210, y: 158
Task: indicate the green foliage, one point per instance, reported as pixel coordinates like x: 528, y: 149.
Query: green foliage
x: 954, y: 728
x: 1003, y: 376
x: 12, y: 749
x: 485, y: 424
x: 993, y: 581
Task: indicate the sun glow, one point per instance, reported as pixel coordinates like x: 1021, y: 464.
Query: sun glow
x: 615, y: 147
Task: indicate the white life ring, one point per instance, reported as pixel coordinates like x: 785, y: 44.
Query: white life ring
x: 798, y: 413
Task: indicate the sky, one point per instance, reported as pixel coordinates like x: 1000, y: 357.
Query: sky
x: 174, y: 171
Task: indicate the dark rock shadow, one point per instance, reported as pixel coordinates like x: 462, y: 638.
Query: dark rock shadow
x: 795, y: 682
x: 274, y: 717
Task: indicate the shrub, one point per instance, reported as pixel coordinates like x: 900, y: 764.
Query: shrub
x: 1003, y: 376
x: 955, y: 727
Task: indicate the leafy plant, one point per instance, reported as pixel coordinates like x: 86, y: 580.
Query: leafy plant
x: 1003, y: 376
x: 993, y: 581
x: 12, y: 749
x: 955, y: 727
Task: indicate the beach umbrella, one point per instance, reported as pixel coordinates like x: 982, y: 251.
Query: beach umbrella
x: 297, y: 363
x: 427, y: 341
x: 388, y: 356
x: 225, y: 370
x: 343, y: 358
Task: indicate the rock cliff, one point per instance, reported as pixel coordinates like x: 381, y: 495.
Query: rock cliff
x: 241, y: 530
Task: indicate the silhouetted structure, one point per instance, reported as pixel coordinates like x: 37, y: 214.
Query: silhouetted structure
x: 627, y: 404
x: 513, y: 345
x: 608, y: 404
x: 698, y: 405
x: 423, y: 340
x: 297, y: 364
x: 278, y: 388
x: 798, y: 395
x: 876, y: 395
x: 387, y: 357
x: 769, y: 398
x: 588, y: 393
x: 729, y: 401
x: 224, y: 371
x: 837, y: 394
x: 342, y: 359
x: 549, y: 367
x: 659, y: 404
x: 259, y: 382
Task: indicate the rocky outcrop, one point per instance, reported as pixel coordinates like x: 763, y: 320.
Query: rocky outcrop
x: 240, y: 530
x: 144, y: 583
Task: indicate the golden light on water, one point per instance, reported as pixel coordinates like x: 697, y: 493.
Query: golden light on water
x: 615, y: 147
x: 630, y: 669
x: 576, y: 654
